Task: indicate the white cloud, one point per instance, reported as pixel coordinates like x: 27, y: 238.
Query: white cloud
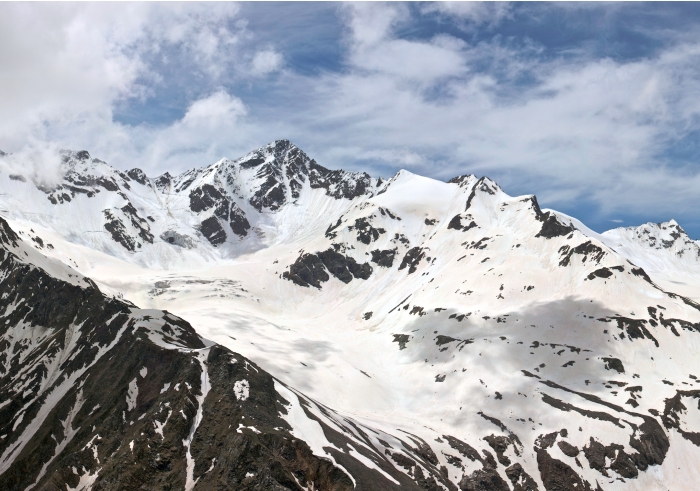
x: 39, y: 161
x: 176, y: 145
x: 265, y: 62
x: 468, y: 11
x: 66, y: 63
x: 374, y: 48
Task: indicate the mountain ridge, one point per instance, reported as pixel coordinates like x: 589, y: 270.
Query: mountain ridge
x: 491, y: 344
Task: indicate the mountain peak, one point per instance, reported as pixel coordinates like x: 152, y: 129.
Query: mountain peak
x: 463, y: 180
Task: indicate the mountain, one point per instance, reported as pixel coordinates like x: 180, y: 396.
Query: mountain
x: 665, y: 251
x: 222, y: 210
x: 417, y: 334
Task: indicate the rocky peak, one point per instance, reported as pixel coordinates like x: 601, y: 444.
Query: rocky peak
x: 663, y: 235
x: 463, y: 181
x: 281, y: 169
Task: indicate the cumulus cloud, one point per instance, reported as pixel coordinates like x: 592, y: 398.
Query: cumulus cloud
x: 38, y: 161
x: 66, y: 63
x: 189, y: 141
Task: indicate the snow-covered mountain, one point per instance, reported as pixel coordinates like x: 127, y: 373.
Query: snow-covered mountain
x: 665, y: 251
x: 220, y: 211
x: 437, y: 335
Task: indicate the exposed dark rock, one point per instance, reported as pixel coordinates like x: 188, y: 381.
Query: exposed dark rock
x: 17, y: 177
x: 119, y: 233
x: 402, y: 339
x: 405, y: 462
x: 440, y: 340
x: 520, y: 479
x: 634, y: 328
x: 565, y: 406
x: 366, y: 233
x: 588, y: 250
x: 485, y: 185
x: 464, y: 449
x: 512, y: 436
x: 674, y: 409
x: 137, y: 175
x: 238, y: 221
x: 139, y: 223
x: 163, y: 182
x: 499, y: 444
x: 648, y: 439
x: 641, y: 273
x: 486, y: 479
x: 557, y: 476
x: 614, y: 364
x: 386, y: 211
x: 383, y: 258
x: 270, y: 195
x: 130, y: 403
x: 462, y: 180
x: 343, y: 267
x: 336, y: 264
x: 600, y: 273
x: 411, y: 259
x: 596, y: 453
x: 547, y: 440
x: 568, y: 449
x: 212, y: 230
x: 552, y: 227
x: 207, y: 196
x: 307, y: 270
x: 456, y: 224
x: 338, y: 183
x: 330, y: 230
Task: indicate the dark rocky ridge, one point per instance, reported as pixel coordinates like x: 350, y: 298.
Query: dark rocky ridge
x: 313, y: 269
x: 282, y: 168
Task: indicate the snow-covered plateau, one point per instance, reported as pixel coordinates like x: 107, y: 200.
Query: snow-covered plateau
x: 267, y: 323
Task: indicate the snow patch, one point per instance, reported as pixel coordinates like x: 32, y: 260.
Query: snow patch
x: 201, y: 358
x: 132, y: 395
x: 242, y: 390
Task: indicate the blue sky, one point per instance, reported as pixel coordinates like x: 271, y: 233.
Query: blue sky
x: 593, y: 107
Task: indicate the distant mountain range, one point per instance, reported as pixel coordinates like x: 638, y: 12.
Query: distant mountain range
x: 268, y: 323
